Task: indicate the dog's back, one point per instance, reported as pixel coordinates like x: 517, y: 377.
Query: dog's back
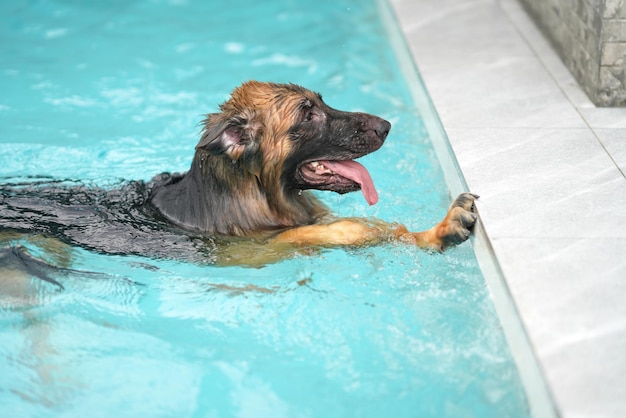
x: 113, y: 221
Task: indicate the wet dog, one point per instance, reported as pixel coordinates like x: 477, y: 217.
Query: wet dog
x: 244, y: 200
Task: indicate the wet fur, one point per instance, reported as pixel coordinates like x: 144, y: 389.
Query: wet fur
x: 242, y: 179
x: 245, y: 180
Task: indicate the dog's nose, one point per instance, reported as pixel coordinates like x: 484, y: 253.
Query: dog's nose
x: 383, y: 129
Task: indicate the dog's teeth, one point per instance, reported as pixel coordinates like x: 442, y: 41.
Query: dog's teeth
x: 319, y: 168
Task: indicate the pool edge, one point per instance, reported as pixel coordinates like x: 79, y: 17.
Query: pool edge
x: 540, y: 400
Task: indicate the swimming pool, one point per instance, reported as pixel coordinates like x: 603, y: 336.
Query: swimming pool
x: 106, y: 92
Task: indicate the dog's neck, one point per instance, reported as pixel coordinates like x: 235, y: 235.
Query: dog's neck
x: 216, y: 196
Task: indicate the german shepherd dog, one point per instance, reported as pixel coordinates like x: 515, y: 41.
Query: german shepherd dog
x: 244, y: 199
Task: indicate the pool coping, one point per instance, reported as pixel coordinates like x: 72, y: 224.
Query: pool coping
x: 505, y: 100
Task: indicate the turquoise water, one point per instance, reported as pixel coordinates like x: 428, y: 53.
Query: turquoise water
x: 102, y: 92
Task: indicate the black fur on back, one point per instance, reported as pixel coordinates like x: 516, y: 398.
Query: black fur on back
x: 112, y: 221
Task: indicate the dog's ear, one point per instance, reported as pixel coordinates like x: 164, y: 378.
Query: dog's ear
x: 233, y: 136
x: 236, y: 137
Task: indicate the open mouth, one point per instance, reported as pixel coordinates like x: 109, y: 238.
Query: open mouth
x: 339, y: 176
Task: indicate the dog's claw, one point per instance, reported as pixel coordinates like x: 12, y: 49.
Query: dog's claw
x: 459, y: 222
x: 465, y: 201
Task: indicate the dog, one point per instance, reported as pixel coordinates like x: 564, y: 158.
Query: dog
x: 245, y: 199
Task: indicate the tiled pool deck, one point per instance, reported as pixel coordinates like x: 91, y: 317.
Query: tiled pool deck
x: 550, y: 169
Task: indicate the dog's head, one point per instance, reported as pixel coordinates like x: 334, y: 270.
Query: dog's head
x: 288, y: 138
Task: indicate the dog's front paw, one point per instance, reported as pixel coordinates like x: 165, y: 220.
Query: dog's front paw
x: 458, y: 223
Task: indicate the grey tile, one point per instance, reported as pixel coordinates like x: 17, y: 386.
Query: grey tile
x: 509, y: 92
x: 614, y: 140
x: 545, y: 53
x: 596, y: 389
x: 593, y: 116
x: 488, y: 76
x: 542, y: 182
x: 603, y: 117
x: 431, y: 31
x: 571, y: 302
x: 564, y: 292
x: 410, y: 12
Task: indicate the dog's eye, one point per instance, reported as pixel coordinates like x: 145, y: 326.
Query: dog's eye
x: 310, y: 114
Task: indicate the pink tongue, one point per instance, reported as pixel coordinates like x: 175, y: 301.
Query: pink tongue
x: 357, y: 173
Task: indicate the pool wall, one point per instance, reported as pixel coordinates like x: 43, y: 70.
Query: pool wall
x: 538, y: 394
x: 590, y: 38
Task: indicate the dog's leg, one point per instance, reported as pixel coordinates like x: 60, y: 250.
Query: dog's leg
x: 452, y: 230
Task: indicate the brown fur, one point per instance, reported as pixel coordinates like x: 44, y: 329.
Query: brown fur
x: 247, y: 178
x: 244, y: 200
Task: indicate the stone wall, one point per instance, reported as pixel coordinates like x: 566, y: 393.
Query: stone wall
x: 590, y: 37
